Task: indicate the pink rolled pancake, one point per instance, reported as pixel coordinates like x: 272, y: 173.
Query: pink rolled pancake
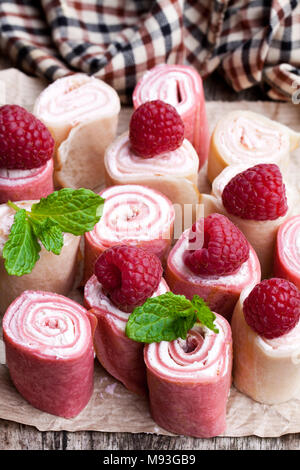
x: 120, y: 356
x: 245, y: 137
x: 55, y: 273
x: 133, y: 215
x: 20, y: 185
x: 287, y: 253
x: 267, y: 370
x: 81, y: 113
x: 49, y: 352
x: 175, y: 174
x: 222, y: 293
x: 189, y: 381
x: 261, y: 234
x: 180, y: 86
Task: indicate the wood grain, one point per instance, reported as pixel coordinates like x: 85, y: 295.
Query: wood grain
x: 14, y: 436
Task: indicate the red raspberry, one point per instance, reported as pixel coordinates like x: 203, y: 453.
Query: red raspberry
x: 273, y: 307
x: 224, y: 248
x: 155, y: 127
x: 129, y: 275
x: 257, y: 193
x: 25, y: 141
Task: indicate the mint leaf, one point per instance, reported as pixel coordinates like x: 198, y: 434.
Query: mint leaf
x: 204, y: 314
x: 167, y: 317
x: 68, y: 210
x: 49, y: 233
x: 21, y: 251
x: 75, y: 211
x: 177, y: 305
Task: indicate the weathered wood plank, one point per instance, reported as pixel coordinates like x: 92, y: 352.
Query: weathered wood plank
x: 20, y: 437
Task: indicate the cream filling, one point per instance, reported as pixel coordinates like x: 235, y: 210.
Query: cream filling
x: 75, y: 99
x: 133, y: 213
x: 209, y: 359
x: 16, y: 174
x: 50, y: 324
x: 251, y: 137
x: 19, y: 177
x: 97, y: 298
x: 121, y: 161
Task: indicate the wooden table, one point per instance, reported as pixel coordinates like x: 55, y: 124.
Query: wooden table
x: 17, y: 436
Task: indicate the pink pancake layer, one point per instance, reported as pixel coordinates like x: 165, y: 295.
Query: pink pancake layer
x: 180, y: 86
x: 119, y: 355
x: 21, y: 185
x: 287, y: 253
x: 49, y: 352
x: 189, y: 381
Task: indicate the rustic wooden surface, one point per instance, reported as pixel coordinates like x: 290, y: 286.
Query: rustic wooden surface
x: 14, y: 436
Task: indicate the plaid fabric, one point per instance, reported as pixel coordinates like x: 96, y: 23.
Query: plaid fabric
x: 252, y: 42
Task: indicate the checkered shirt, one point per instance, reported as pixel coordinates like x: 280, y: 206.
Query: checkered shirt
x: 251, y: 42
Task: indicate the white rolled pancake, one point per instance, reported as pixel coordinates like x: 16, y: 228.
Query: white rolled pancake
x: 249, y: 138
x: 267, y: 370
x: 261, y: 234
x: 54, y: 273
x: 81, y: 113
x: 175, y: 174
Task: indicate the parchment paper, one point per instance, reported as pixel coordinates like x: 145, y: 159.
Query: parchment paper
x: 112, y: 407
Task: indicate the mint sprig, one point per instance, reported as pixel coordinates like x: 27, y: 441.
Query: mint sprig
x: 168, y: 317
x: 49, y: 233
x: 21, y: 251
x: 74, y: 211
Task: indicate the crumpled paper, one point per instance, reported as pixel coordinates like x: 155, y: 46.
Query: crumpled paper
x: 112, y: 407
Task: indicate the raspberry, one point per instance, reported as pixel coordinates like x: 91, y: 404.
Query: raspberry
x: 25, y: 142
x: 155, y: 127
x: 257, y: 193
x: 273, y: 307
x: 128, y: 275
x: 224, y: 247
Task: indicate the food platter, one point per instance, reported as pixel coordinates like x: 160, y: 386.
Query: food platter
x: 112, y: 407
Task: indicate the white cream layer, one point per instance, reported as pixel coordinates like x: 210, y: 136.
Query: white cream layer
x: 247, y: 136
x: 50, y: 324
x: 133, y: 212
x: 75, y: 99
x: 121, y: 161
x: 97, y: 298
